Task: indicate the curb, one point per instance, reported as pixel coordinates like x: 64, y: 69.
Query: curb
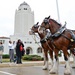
x: 26, y: 64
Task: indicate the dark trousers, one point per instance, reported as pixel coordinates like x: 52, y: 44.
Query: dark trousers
x: 15, y: 59
x: 19, y: 60
x: 11, y: 54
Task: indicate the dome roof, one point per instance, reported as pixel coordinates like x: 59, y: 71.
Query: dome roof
x: 24, y: 3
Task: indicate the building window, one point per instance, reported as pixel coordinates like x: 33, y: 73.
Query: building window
x: 28, y: 42
x: 24, y: 42
x: 39, y: 50
x: 37, y: 42
x: 25, y: 8
x: 19, y: 9
x: 2, y: 41
x: 28, y: 50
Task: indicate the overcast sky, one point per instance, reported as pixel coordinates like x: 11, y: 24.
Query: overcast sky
x: 41, y: 8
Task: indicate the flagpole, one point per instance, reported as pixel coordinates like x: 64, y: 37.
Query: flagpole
x: 57, y: 11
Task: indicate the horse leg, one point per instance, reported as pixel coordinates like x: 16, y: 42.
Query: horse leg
x: 73, y: 55
x: 45, y: 67
x: 67, y: 64
x: 68, y: 57
x: 54, y: 69
x: 51, y: 58
x: 44, y: 56
x: 73, y: 66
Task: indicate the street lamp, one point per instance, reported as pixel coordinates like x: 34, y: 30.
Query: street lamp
x: 57, y: 11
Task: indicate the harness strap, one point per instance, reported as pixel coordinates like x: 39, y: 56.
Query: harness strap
x: 66, y: 37
x: 46, y: 41
x: 71, y: 40
x: 48, y: 45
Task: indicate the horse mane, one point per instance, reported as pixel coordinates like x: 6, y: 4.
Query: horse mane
x: 55, y: 22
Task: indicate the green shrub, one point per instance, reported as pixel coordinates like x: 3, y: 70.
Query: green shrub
x: 5, y: 56
x: 26, y: 57
x: 36, y: 58
x: 32, y: 57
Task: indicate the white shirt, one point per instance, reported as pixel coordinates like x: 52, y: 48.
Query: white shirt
x: 13, y: 46
x: 10, y: 46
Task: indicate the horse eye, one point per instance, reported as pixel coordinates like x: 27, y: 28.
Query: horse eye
x: 45, y: 23
x: 35, y: 26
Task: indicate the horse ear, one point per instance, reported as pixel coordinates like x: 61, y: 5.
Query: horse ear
x: 65, y: 22
x: 48, y: 17
x: 37, y: 23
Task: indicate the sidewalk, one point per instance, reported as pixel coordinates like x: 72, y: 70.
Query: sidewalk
x: 26, y: 63
x: 32, y: 63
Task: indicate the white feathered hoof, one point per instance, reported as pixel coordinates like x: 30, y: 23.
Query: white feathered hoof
x: 50, y: 68
x: 53, y: 72
x: 45, y: 68
x: 73, y: 66
x: 67, y: 72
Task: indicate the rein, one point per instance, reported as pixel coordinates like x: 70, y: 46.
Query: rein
x: 44, y: 40
x: 48, y: 45
x: 41, y: 39
x: 35, y: 39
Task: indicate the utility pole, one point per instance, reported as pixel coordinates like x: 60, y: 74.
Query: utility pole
x: 57, y: 11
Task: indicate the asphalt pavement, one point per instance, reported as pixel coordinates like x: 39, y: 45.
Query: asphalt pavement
x: 29, y: 68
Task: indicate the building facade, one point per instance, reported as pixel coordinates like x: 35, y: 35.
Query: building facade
x: 24, y: 20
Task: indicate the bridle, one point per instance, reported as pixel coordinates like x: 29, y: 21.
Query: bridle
x: 45, y: 21
x: 35, y: 26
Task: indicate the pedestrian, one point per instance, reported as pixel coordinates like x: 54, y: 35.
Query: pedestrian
x: 14, y: 48
x: 19, y: 48
x: 1, y: 51
x: 11, y: 51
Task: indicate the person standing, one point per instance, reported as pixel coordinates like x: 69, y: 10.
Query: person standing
x: 14, y: 48
x: 11, y: 51
x: 19, y: 47
x: 1, y: 51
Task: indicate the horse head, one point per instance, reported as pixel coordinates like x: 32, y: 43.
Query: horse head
x: 50, y: 24
x: 44, y: 25
x: 34, y: 29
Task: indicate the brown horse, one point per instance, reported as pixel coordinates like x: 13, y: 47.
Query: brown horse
x: 45, y: 45
x: 59, y: 41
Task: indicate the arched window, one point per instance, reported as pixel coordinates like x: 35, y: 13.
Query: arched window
x: 29, y: 50
x: 39, y: 50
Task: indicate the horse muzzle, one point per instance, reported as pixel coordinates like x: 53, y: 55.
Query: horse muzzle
x: 31, y: 33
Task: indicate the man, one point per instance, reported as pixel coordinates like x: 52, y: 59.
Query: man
x: 11, y: 51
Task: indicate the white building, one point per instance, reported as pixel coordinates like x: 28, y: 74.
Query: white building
x: 24, y: 20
